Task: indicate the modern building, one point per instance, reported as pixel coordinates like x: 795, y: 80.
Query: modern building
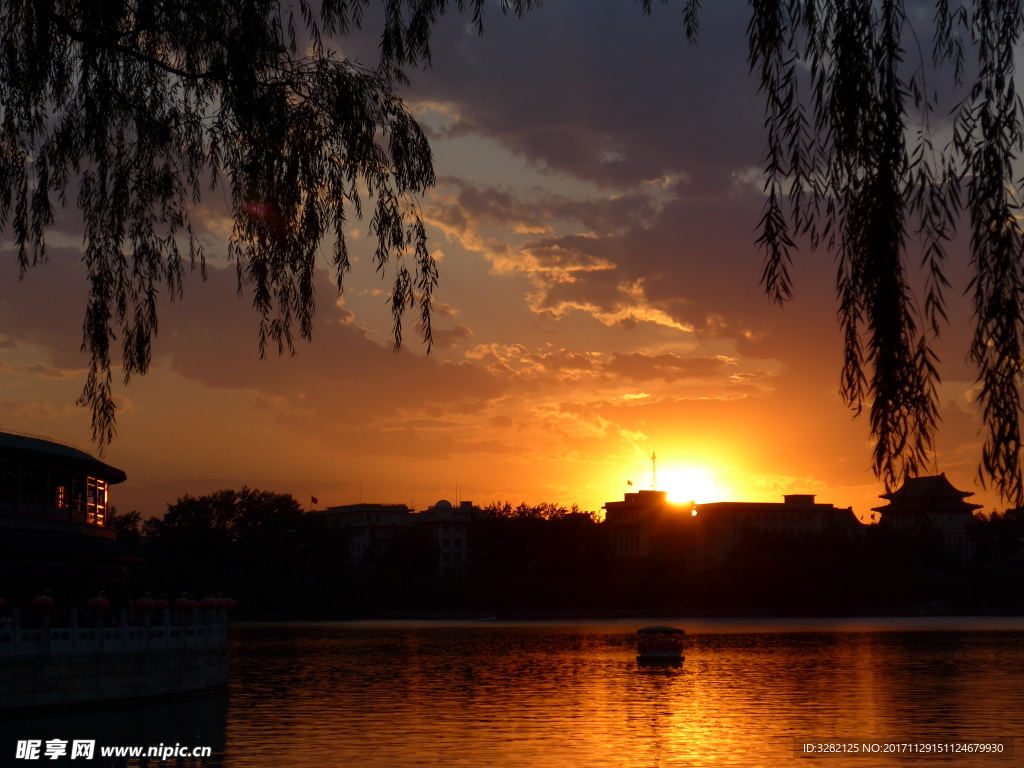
x: 54, y: 500
x: 68, y: 635
x: 378, y: 527
x: 930, y: 505
x: 47, y: 480
x: 724, y: 523
x: 370, y: 526
x: 449, y: 530
x: 646, y: 523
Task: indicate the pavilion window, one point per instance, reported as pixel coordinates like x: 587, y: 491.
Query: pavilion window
x: 101, y: 502
x: 96, y: 501
x: 58, y: 493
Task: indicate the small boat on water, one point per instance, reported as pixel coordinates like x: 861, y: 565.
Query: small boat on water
x: 660, y: 646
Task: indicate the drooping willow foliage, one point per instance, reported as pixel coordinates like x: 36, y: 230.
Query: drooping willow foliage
x: 851, y: 153
x: 137, y: 106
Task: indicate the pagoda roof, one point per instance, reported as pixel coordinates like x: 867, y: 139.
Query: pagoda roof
x: 932, y: 485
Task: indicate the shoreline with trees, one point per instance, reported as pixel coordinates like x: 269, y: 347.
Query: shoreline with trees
x: 551, y: 561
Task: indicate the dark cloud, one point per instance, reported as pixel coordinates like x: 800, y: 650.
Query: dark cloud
x: 693, y: 265
x: 343, y: 375
x: 599, y: 91
x: 697, y: 266
x: 211, y: 337
x: 462, y: 204
x: 46, y: 307
x: 451, y: 337
x: 473, y: 204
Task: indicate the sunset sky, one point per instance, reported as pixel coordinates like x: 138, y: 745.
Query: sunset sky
x: 594, y: 221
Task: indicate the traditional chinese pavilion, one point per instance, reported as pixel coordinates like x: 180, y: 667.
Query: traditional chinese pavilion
x: 930, y: 504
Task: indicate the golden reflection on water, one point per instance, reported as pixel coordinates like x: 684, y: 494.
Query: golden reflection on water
x: 527, y: 695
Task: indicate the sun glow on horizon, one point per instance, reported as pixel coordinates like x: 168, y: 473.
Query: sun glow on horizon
x: 689, y: 484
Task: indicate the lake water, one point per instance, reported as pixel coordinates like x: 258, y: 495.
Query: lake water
x: 539, y: 695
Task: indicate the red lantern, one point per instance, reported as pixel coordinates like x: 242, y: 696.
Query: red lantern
x: 161, y: 603
x: 230, y: 603
x: 145, y: 603
x: 3, y: 603
x: 209, y: 603
x: 98, y: 603
x: 182, y: 604
x: 42, y: 602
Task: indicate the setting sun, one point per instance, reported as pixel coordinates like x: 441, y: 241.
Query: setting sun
x: 688, y: 484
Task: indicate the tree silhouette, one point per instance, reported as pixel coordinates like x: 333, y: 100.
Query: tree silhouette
x: 142, y: 105
x: 856, y: 187
x: 227, y: 537
x: 127, y: 526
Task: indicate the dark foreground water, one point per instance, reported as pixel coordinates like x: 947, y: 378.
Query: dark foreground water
x: 546, y: 695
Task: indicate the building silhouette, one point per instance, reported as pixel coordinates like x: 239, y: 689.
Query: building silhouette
x: 702, y: 536
x: 69, y: 631
x: 376, y: 529
x: 53, y: 514
x: 370, y: 527
x: 798, y: 516
x: 930, y: 506
x: 449, y: 530
x: 646, y: 523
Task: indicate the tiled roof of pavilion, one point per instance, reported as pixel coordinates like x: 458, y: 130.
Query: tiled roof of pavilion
x: 932, y: 485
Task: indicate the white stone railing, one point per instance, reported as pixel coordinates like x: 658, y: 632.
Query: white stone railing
x: 195, y: 629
